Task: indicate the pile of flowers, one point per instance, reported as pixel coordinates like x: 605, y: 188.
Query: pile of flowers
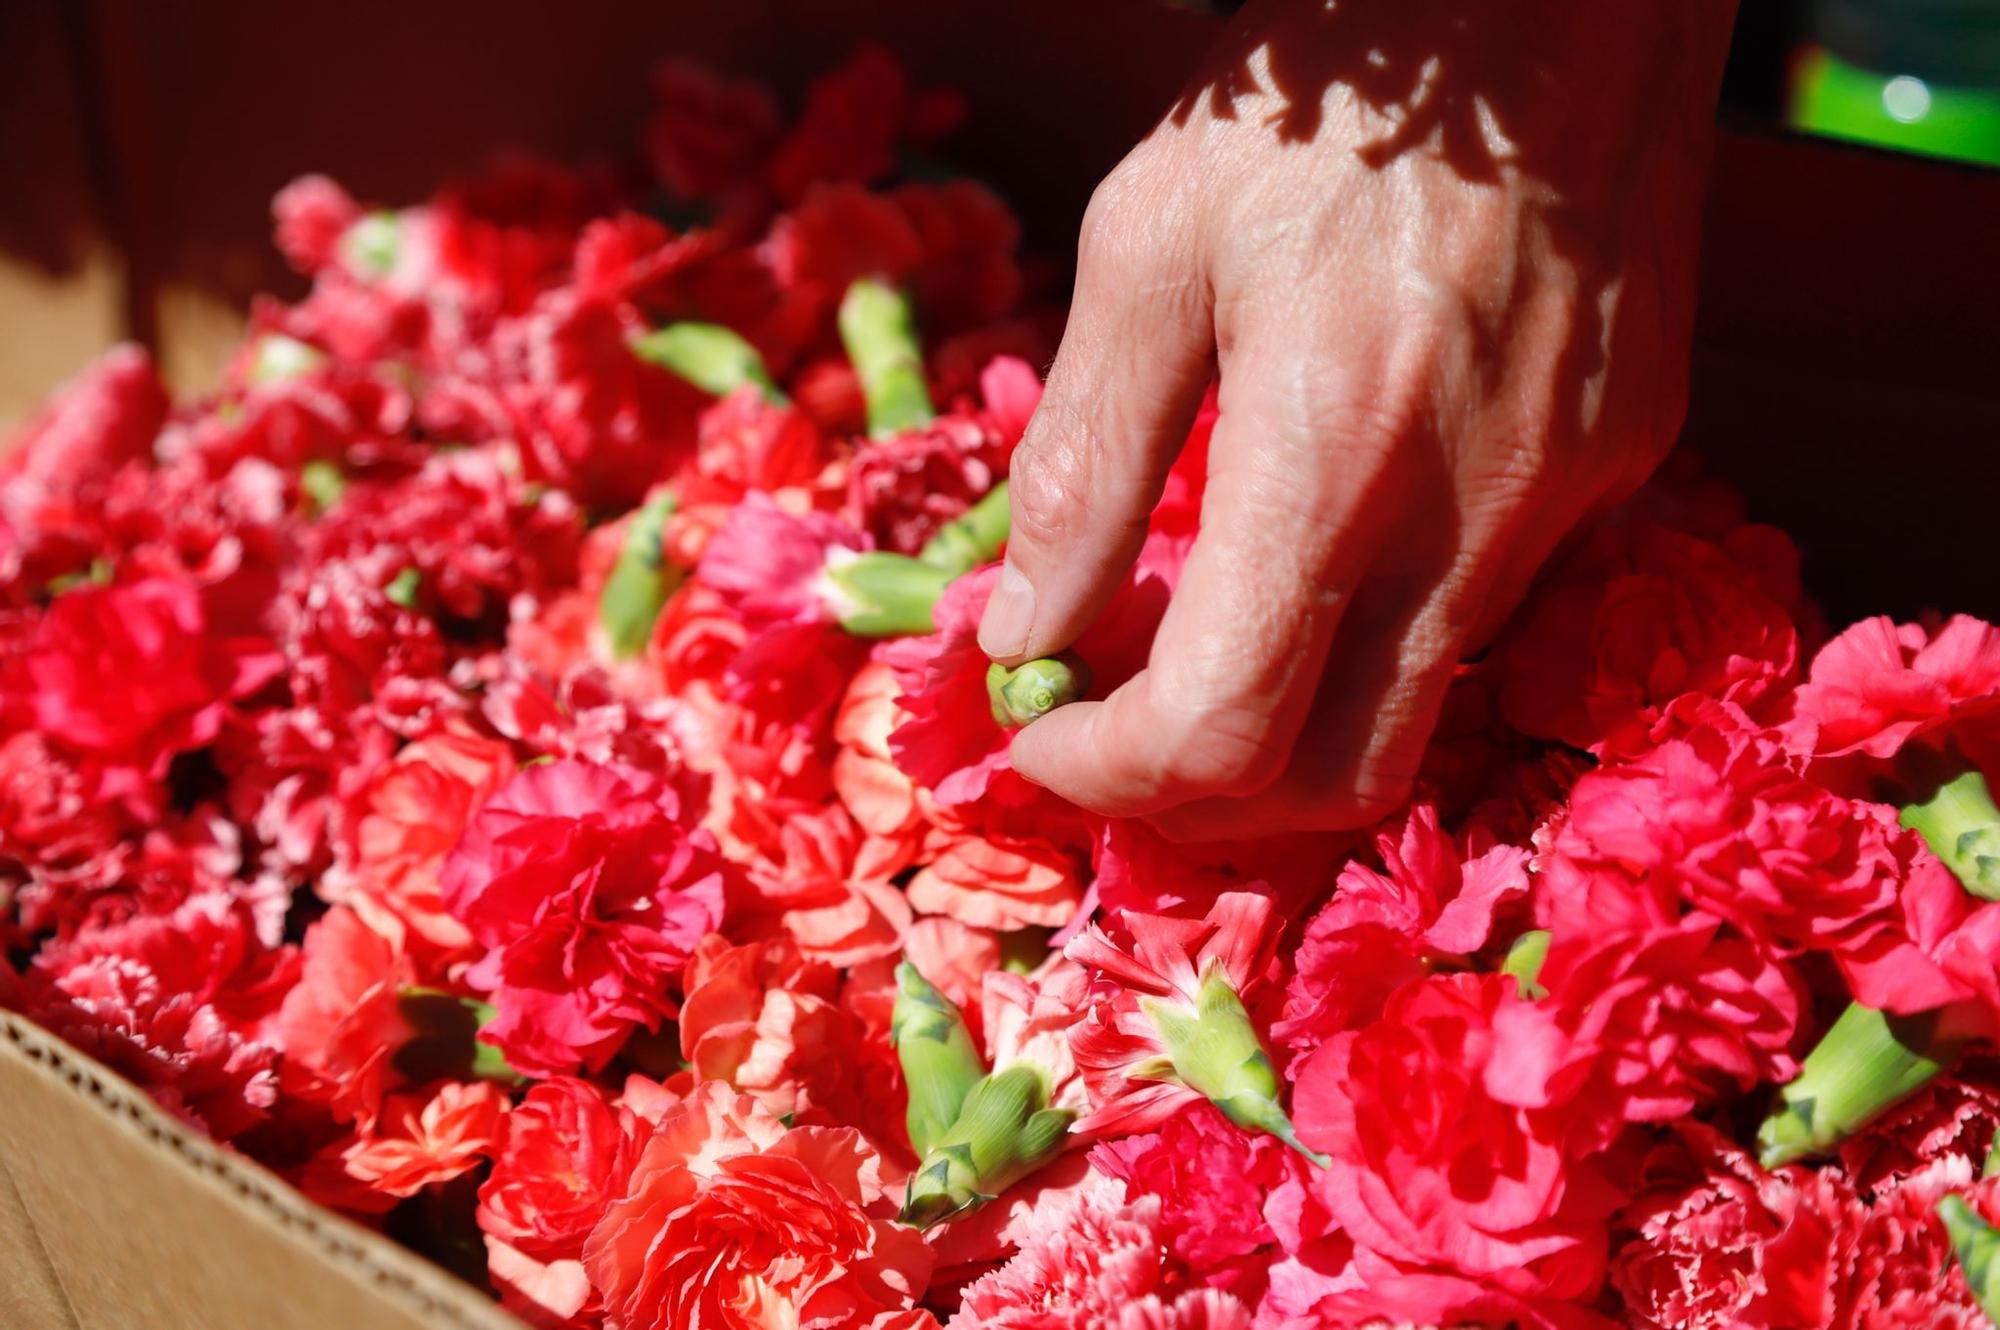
x: 516, y: 761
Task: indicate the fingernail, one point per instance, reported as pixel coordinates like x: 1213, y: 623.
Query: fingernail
x: 1010, y: 615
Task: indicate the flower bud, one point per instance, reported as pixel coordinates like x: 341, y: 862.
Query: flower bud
x: 1961, y: 824
x: 1033, y: 689
x: 972, y: 538
x: 875, y: 593
x: 880, y: 334
x: 1005, y: 1131
x: 1213, y: 1049
x: 940, y: 1063
x: 709, y: 356
x: 1868, y: 1062
x: 1975, y: 1244
x: 640, y: 581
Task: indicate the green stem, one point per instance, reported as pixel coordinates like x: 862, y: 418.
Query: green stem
x: 974, y: 537
x: 1961, y: 824
x: 880, y: 334
x: 709, y: 356
x: 1867, y: 1063
x: 880, y: 594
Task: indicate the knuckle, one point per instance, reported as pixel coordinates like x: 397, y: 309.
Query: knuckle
x: 1045, y: 479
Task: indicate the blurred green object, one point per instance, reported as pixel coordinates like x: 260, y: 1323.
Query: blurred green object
x: 1921, y: 76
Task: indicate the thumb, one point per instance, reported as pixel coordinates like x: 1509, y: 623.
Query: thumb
x: 1126, y: 382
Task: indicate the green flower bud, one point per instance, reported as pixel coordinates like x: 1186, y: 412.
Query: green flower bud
x: 974, y: 537
x: 880, y: 594
x: 1961, y: 824
x: 1975, y: 1244
x: 1867, y: 1063
x: 1004, y: 1131
x: 709, y: 356
x: 1524, y: 962
x: 640, y: 581
x: 880, y: 334
x: 1034, y: 688
x: 940, y: 1062
x: 1213, y: 1049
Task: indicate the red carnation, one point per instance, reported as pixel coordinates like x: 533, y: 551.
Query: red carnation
x: 128, y: 676
x: 1881, y: 684
x: 903, y: 488
x: 1643, y: 617
x: 1461, y: 1206
x: 564, y: 1157
x: 1432, y: 902
x: 588, y: 891
x: 1654, y: 1025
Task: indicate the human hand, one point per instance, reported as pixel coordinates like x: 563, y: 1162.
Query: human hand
x: 1444, y: 257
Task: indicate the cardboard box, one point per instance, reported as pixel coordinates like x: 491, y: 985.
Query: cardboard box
x: 115, y: 1216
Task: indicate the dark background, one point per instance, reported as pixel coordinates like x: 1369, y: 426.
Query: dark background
x: 1845, y: 368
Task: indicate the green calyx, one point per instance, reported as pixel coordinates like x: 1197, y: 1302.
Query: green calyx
x: 880, y: 333
x: 1004, y: 1131
x: 370, y: 246
x: 710, y: 357
x: 940, y: 1063
x: 444, y: 1039
x: 1032, y: 689
x: 404, y: 587
x: 1868, y: 1062
x: 1524, y: 961
x: 1213, y: 1049
x: 322, y: 484
x: 974, y: 537
x: 1961, y: 824
x: 876, y: 593
x: 1975, y: 1245
x: 279, y: 358
x: 640, y: 582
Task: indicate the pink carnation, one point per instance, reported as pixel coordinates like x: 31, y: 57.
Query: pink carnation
x: 1431, y: 902
x: 1213, y: 1180
x: 1167, y: 959
x: 1880, y: 684
x: 1460, y: 1204
x: 588, y: 892
x: 1096, y: 1265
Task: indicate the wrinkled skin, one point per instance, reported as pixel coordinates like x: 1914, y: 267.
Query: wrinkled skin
x: 1443, y: 257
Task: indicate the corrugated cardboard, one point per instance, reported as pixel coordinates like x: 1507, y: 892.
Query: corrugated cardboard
x: 114, y: 1216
